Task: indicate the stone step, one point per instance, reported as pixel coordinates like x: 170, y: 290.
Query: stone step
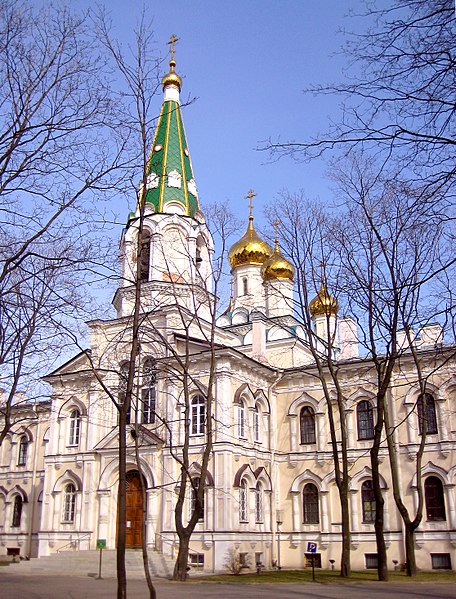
x: 86, y: 563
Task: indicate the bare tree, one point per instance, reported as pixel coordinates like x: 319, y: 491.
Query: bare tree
x: 305, y: 238
x: 54, y: 112
x: 393, y: 249
x: 399, y: 100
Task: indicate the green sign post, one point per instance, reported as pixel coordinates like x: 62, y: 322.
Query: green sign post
x: 101, y: 544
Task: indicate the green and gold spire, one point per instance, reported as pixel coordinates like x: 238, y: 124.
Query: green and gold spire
x: 170, y: 184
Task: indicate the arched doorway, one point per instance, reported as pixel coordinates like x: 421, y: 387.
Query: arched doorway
x: 134, y: 501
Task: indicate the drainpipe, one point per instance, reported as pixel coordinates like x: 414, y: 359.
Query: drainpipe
x: 32, y: 492
x: 273, y: 446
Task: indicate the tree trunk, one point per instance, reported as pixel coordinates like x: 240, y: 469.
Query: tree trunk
x: 180, y: 567
x: 122, y: 508
x: 410, y: 549
x: 382, y: 567
x: 345, y: 569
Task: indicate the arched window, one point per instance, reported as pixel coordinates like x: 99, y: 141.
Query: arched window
x: 435, y: 502
x: 245, y: 286
x: 75, y: 427
x: 198, y: 415
x: 17, y: 511
x: 426, y: 415
x: 365, y: 418
x: 144, y: 257
x: 195, y: 486
x: 310, y: 504
x: 69, y: 503
x: 307, y: 425
x: 258, y: 503
x: 256, y: 424
x: 368, y: 501
x: 241, y: 419
x: 243, y: 503
x: 23, y: 447
x: 148, y: 392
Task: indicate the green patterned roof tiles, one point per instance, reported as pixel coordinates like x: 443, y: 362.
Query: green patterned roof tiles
x: 170, y: 174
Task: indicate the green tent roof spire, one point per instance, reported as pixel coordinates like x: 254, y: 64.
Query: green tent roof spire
x: 170, y: 184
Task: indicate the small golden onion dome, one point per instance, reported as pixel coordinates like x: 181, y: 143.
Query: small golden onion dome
x: 277, y: 267
x: 250, y: 249
x: 172, y: 78
x: 323, y: 304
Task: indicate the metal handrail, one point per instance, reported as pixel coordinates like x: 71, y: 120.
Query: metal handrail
x: 73, y: 541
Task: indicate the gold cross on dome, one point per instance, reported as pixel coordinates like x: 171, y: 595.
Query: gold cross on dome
x: 250, y: 195
x: 276, y: 225
x: 231, y: 287
x: 171, y: 42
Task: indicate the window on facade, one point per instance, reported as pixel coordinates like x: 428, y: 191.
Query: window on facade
x: 256, y: 424
x: 144, y: 257
x: 371, y: 561
x: 196, y: 560
x: 241, y: 419
x: 195, y: 487
x: 365, y: 418
x: 307, y: 425
x: 69, y: 503
x: 310, y: 504
x: 75, y: 427
x: 427, y: 421
x: 148, y: 392
x: 435, y: 502
x: 368, y: 501
x: 198, y: 415
x: 258, y: 503
x: 441, y: 561
x: 243, y: 506
x: 17, y: 511
x: 245, y: 286
x: 314, y: 558
x: 23, y: 447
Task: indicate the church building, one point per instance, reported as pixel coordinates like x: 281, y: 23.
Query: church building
x: 270, y: 490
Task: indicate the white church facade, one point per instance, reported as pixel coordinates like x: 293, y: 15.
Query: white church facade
x: 270, y: 489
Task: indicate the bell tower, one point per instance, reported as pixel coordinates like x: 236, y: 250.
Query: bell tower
x: 176, y: 245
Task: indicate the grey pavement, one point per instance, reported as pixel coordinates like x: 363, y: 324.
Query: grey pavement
x: 19, y: 586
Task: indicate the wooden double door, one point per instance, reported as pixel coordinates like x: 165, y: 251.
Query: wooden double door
x: 134, y: 516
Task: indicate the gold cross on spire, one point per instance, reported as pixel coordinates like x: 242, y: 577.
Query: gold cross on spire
x: 171, y: 42
x: 250, y: 195
x: 276, y: 225
x: 231, y: 287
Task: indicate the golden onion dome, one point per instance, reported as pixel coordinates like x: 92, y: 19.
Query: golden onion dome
x: 277, y: 267
x: 250, y: 249
x: 323, y: 304
x: 172, y: 78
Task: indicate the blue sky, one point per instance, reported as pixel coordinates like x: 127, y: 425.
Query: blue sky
x: 247, y: 62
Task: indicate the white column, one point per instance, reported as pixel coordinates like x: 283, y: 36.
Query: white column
x: 441, y: 421
x: 295, y: 496
x: 354, y: 516
x: 151, y: 522
x: 293, y: 432
x: 103, y: 518
x: 324, y: 511
x: 386, y: 514
x: 449, y: 496
x: 320, y: 431
x: 349, y: 422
